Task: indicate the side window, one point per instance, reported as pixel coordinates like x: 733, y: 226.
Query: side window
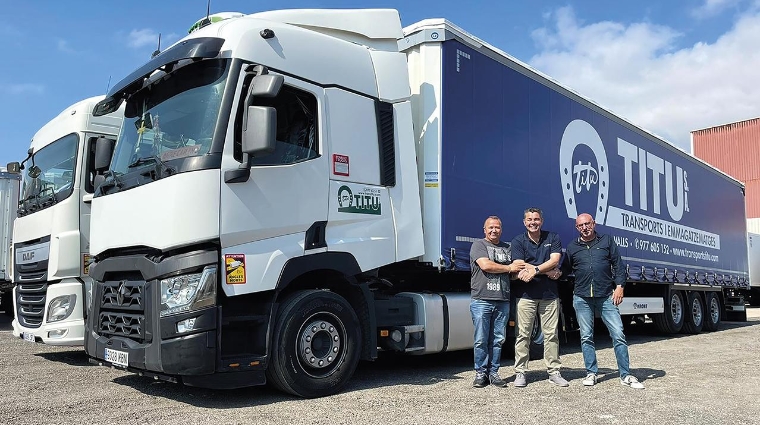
x: 296, y: 127
x: 89, y: 154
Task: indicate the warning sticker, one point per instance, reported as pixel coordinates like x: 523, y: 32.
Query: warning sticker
x: 85, y: 263
x: 234, y: 265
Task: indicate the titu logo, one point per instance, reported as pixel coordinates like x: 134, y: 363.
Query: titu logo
x: 345, y: 197
x: 576, y: 178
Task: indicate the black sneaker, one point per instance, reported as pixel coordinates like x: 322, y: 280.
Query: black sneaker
x: 480, y: 381
x: 497, y: 381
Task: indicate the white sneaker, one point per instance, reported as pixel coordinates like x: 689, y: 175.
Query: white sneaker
x: 590, y: 380
x: 632, y: 382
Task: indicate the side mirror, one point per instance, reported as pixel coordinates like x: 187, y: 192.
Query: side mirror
x: 34, y: 171
x: 266, y: 85
x: 13, y: 167
x: 103, y: 153
x: 260, y: 131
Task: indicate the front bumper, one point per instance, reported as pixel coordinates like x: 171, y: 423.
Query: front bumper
x: 67, y: 332
x: 191, y: 354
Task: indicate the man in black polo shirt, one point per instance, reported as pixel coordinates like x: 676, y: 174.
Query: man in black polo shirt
x: 536, y: 293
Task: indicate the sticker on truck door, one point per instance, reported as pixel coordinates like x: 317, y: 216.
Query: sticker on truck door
x: 234, y: 267
x: 340, y: 165
x: 365, y: 201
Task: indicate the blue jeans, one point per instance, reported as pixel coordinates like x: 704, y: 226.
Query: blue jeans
x: 490, y: 321
x: 584, y: 311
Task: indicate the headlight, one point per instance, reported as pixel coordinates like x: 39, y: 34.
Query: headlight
x: 188, y: 292
x: 61, y: 307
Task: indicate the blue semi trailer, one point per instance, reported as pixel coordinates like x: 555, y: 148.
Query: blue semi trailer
x: 511, y: 137
x: 318, y: 177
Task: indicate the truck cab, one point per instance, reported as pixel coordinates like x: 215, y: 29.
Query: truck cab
x: 51, y: 235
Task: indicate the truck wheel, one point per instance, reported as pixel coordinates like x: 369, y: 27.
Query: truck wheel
x: 695, y: 314
x: 671, y: 320
x: 712, y: 312
x: 315, y: 344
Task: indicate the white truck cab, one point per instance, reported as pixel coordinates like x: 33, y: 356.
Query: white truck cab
x: 51, y: 235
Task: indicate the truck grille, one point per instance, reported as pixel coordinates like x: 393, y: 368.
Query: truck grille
x: 30, y: 304
x: 122, y: 309
x: 119, y: 324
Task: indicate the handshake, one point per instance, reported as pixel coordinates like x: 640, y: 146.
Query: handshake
x: 528, y: 272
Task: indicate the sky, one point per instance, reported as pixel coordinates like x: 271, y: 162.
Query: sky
x: 670, y: 67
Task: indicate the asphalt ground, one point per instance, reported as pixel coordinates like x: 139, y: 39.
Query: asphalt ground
x: 710, y: 378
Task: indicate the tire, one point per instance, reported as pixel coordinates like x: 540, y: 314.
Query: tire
x: 694, y: 318
x: 671, y: 320
x: 315, y: 345
x: 713, y: 310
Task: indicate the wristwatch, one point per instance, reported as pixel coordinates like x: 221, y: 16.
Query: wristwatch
x: 537, y: 270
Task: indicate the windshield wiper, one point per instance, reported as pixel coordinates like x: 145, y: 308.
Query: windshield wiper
x: 145, y: 160
x: 161, y: 166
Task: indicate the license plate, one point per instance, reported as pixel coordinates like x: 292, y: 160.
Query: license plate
x: 29, y: 337
x: 119, y: 358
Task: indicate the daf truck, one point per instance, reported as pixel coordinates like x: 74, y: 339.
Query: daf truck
x: 294, y: 191
x: 51, y: 236
x: 9, y: 191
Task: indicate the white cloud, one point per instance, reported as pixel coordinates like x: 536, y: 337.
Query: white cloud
x: 141, y: 38
x: 23, y: 88
x: 712, y: 7
x: 63, y: 46
x: 635, y: 71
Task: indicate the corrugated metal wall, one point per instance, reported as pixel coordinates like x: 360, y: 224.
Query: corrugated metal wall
x: 752, y: 198
x: 734, y: 149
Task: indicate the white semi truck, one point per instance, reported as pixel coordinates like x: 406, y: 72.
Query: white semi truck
x: 9, y: 191
x: 296, y: 190
x: 51, y: 236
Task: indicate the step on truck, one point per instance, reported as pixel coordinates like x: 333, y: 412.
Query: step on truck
x: 294, y: 191
x: 51, y: 236
x: 9, y: 191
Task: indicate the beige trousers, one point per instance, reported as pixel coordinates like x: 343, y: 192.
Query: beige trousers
x: 548, y: 313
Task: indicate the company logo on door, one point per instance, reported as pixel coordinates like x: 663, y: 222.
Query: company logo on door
x: 365, y: 202
x: 586, y: 176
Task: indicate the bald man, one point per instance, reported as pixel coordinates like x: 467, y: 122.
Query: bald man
x: 599, y: 286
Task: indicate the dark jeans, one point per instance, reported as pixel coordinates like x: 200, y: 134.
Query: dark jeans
x: 490, y: 321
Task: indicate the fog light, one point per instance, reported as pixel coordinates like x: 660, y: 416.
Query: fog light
x: 186, y: 325
x: 58, y: 333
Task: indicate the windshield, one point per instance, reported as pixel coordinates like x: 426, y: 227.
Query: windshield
x: 171, y: 119
x: 53, y: 167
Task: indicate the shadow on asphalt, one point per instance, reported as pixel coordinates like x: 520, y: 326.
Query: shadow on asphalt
x: 72, y: 358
